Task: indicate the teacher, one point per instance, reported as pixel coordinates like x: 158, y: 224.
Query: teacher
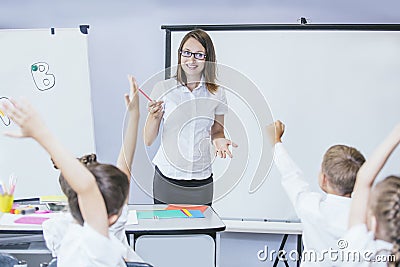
x: 192, y: 107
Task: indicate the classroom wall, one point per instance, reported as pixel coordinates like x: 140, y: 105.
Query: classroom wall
x: 125, y: 37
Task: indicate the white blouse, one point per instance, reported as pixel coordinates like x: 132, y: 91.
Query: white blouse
x: 186, y: 152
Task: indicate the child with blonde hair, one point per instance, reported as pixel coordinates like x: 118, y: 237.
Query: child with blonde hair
x: 374, y: 227
x: 324, y: 217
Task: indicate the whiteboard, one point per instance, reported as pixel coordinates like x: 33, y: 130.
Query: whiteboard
x: 328, y: 87
x: 52, y: 72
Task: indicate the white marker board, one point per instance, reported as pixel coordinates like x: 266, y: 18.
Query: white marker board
x: 329, y: 86
x: 50, y: 68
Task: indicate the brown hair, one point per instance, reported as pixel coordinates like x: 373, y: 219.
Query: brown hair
x: 385, y: 206
x: 112, y: 183
x: 209, y: 71
x: 341, y: 164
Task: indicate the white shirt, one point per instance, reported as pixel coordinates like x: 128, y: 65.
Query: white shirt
x: 85, y: 247
x: 324, y: 217
x: 185, y: 152
x: 118, y: 230
x: 370, y: 252
x: 55, y: 233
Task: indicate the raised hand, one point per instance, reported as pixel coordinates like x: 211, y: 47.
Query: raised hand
x: 127, y: 152
x: 26, y: 117
x: 132, y: 99
x: 275, y: 131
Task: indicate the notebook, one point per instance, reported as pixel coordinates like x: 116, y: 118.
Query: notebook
x: 169, y: 214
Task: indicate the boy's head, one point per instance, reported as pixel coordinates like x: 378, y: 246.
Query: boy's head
x: 112, y: 183
x: 339, y: 169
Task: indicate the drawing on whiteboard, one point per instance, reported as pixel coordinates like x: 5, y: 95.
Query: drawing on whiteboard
x: 4, y: 118
x: 42, y: 79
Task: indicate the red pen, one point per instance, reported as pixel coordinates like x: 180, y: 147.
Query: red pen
x: 140, y: 90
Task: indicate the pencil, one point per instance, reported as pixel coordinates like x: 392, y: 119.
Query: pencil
x: 148, y: 97
x: 186, y: 212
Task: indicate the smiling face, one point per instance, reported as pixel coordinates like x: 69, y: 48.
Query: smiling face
x: 193, y: 67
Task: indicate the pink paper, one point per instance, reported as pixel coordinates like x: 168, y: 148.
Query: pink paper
x: 31, y: 220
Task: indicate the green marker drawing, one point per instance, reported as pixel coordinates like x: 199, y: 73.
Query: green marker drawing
x: 41, y: 77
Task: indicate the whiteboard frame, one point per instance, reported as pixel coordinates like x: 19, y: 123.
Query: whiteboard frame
x: 267, y: 27
x: 169, y: 29
x: 81, y: 30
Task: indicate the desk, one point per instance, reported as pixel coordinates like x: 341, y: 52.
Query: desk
x: 25, y: 241
x: 23, y: 228
x: 182, y: 240
x: 211, y: 224
x: 26, y: 229
x: 176, y: 242
x: 269, y: 227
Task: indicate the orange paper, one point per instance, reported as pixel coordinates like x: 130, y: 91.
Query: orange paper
x: 201, y: 208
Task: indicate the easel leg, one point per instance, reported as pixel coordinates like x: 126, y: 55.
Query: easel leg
x: 285, y: 237
x: 299, y: 249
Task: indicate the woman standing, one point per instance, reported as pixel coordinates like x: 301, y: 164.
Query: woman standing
x: 192, y: 108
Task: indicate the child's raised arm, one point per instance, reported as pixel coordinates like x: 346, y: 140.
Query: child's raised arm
x: 91, y: 201
x: 367, y: 174
x: 127, y: 152
x: 292, y: 178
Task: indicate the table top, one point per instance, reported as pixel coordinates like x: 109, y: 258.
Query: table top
x: 210, y: 224
x: 265, y: 227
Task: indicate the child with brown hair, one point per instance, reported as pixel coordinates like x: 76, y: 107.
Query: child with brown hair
x: 97, y: 193
x: 374, y: 228
x: 324, y: 217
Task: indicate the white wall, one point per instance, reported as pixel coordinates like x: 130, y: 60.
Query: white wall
x: 125, y: 37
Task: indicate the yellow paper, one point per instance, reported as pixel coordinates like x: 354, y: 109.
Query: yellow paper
x: 53, y: 198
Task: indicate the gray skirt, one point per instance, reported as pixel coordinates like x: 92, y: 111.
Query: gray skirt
x: 173, y: 191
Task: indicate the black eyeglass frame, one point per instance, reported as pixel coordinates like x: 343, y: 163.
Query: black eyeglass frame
x: 195, y: 54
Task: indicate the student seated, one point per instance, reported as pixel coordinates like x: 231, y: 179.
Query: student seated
x: 54, y: 229
x: 324, y: 216
x: 374, y: 226
x: 101, y: 192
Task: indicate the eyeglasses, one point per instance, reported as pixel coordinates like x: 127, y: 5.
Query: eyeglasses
x: 196, y: 55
